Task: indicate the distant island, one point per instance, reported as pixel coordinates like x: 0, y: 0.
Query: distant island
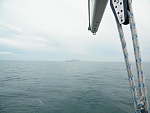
x: 73, y: 60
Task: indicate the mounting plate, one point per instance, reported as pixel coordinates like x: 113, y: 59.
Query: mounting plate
x: 120, y: 8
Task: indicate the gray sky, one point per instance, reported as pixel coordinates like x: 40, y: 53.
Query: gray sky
x: 56, y: 30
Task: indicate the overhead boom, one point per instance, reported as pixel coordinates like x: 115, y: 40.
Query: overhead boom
x: 97, y: 10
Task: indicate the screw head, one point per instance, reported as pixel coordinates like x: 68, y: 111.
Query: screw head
x: 120, y: 16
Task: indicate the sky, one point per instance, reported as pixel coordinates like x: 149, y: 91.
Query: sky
x: 57, y: 30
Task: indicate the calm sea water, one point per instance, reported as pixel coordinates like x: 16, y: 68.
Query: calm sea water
x: 66, y: 87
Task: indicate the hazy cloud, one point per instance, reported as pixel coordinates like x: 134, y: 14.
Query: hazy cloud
x: 57, y: 30
x: 6, y: 53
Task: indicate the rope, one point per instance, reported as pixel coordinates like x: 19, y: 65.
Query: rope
x: 140, y: 73
x: 89, y: 14
x: 128, y: 65
x: 140, y: 102
x: 138, y: 59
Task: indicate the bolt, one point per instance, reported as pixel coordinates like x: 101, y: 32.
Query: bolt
x: 121, y: 16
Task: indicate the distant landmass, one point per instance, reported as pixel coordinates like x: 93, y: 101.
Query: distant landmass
x: 73, y: 60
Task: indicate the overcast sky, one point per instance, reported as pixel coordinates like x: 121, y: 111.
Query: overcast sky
x: 56, y: 30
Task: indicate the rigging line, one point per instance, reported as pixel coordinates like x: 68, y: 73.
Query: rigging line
x: 128, y: 65
x: 138, y: 56
x: 89, y: 28
x: 140, y: 102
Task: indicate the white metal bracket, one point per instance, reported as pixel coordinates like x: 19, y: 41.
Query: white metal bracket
x: 120, y: 8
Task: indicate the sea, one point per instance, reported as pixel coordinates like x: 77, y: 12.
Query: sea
x: 66, y: 87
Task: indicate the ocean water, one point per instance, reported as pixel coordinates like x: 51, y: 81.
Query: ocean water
x: 66, y: 87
